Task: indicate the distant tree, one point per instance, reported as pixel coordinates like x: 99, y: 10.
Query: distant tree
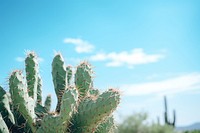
x: 155, y: 128
x: 137, y: 123
x: 134, y: 124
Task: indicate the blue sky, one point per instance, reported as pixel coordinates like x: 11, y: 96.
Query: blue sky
x: 146, y: 49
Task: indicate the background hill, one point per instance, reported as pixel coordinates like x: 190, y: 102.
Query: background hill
x: 195, y: 126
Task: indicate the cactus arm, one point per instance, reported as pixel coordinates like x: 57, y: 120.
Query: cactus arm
x: 69, y: 74
x: 166, y: 112
x: 69, y: 104
x: 59, y: 122
x: 40, y: 111
x: 47, y: 103
x: 83, y: 79
x: 174, y: 120
x: 3, y: 126
x: 5, y: 107
x: 39, y: 90
x: 32, y: 74
x: 59, y: 78
x: 106, y: 126
x: 92, y: 112
x: 21, y: 101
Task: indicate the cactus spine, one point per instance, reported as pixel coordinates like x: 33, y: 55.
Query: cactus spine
x: 166, y: 118
x: 80, y: 107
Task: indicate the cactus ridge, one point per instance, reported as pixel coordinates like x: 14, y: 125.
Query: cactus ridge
x: 80, y: 107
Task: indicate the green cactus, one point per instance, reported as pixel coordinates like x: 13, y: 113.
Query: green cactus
x: 3, y: 126
x: 69, y: 74
x: 59, y: 122
x: 5, y: 108
x: 32, y: 74
x: 83, y: 78
x: 20, y: 98
x: 80, y: 107
x: 59, y: 74
x: 167, y: 121
x: 107, y: 126
x: 39, y: 90
x: 47, y: 103
x: 96, y: 109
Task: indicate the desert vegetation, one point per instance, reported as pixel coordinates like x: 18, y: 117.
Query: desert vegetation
x: 80, y: 108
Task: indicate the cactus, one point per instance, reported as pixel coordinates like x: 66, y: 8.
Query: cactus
x: 80, y: 107
x: 83, y: 79
x: 47, y: 103
x: 39, y: 90
x: 69, y: 74
x: 59, y: 78
x: 96, y: 109
x: 107, y: 126
x: 3, y: 126
x: 166, y: 118
x: 58, y: 123
x: 20, y: 99
x: 32, y: 74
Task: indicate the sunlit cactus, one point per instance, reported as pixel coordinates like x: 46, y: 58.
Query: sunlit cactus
x: 80, y: 107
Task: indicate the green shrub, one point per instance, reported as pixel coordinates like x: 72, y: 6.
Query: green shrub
x: 137, y: 123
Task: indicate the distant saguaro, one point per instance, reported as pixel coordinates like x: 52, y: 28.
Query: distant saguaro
x: 167, y: 121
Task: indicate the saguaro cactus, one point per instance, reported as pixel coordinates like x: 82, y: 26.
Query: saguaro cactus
x: 80, y: 107
x: 166, y: 118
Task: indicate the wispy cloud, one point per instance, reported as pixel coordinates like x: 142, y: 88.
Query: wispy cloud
x: 40, y: 59
x: 135, y: 57
x: 19, y: 59
x: 22, y: 59
x: 81, y: 46
x: 173, y: 85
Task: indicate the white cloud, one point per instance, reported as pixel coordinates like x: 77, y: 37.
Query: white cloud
x: 135, y: 57
x: 22, y: 59
x: 81, y: 46
x: 40, y: 59
x: 173, y: 85
x: 19, y: 59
